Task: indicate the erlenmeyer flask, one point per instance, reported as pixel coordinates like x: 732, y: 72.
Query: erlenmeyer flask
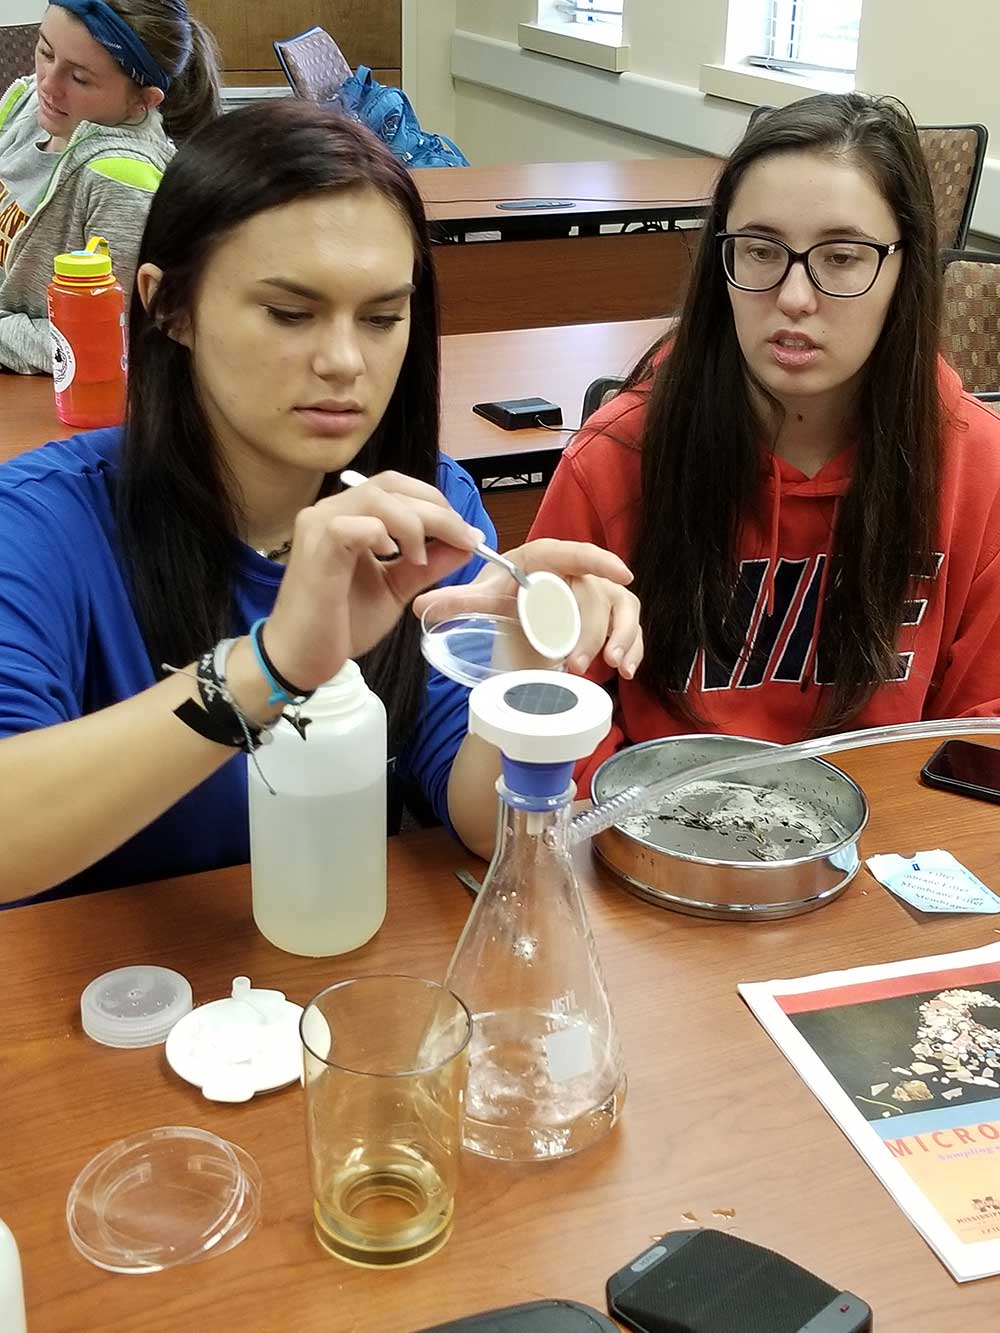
x: 546, y: 1075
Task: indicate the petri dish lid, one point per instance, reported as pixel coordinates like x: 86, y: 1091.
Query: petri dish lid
x: 479, y: 643
x: 248, y: 1216
x: 160, y: 1198
x: 134, y: 1006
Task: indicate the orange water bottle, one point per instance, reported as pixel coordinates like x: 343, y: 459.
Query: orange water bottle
x: 87, y: 320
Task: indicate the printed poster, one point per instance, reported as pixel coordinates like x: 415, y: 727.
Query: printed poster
x: 906, y: 1058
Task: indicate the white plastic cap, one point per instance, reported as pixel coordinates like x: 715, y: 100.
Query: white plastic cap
x: 239, y: 1046
x: 134, y: 1006
x: 540, y: 717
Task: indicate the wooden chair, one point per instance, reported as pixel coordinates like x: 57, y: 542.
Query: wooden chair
x: 954, y: 155
x: 970, y: 333
x: 17, y: 51
x: 314, y: 64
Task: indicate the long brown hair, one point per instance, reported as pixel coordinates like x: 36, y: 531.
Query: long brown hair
x: 703, y: 434
x: 184, y: 49
x: 177, y: 513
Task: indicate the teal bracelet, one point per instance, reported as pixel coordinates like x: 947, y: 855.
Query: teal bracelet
x: 282, y: 691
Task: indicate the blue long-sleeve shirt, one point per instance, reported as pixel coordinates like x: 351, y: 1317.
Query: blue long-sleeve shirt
x: 70, y: 644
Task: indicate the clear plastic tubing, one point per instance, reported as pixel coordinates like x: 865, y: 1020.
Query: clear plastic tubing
x: 639, y: 797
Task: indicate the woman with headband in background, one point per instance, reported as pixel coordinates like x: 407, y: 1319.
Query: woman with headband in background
x: 84, y: 143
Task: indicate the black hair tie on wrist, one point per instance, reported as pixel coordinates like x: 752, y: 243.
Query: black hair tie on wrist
x: 257, y: 634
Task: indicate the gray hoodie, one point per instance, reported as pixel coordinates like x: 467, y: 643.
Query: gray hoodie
x: 101, y: 185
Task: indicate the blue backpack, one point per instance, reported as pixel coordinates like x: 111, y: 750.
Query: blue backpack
x: 388, y: 114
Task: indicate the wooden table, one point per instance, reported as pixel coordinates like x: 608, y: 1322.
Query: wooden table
x: 537, y: 273
x: 557, y: 364
x: 523, y: 363
x: 666, y: 189
x: 716, y: 1122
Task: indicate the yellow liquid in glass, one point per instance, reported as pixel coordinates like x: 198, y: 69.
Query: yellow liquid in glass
x: 388, y: 1206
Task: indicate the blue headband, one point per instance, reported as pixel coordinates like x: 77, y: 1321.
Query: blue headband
x: 122, y: 42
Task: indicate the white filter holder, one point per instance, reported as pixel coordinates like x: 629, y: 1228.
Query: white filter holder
x: 239, y: 1046
x: 540, y: 717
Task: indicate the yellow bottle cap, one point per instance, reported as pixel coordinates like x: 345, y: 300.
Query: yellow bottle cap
x: 94, y: 262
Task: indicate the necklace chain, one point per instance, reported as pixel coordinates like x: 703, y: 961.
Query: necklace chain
x: 277, y: 552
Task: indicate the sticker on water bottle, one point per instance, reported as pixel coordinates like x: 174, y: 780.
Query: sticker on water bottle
x: 63, y: 360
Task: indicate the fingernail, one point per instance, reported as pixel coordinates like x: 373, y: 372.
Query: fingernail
x: 476, y: 534
x: 614, y: 656
x: 579, y: 663
x: 628, y: 669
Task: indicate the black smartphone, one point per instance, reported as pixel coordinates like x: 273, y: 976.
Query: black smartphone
x: 533, y: 1317
x: 520, y: 413
x: 710, y: 1281
x: 965, y: 767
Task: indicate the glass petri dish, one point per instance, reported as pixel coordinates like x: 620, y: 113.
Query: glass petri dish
x: 479, y: 642
x: 159, y: 1198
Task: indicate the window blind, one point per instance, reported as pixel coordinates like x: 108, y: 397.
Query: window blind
x: 590, y: 11
x: 811, y: 34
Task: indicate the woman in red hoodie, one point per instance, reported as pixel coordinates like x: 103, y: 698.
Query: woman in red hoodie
x: 809, y: 501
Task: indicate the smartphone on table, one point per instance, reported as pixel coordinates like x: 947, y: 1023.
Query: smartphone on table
x: 966, y: 768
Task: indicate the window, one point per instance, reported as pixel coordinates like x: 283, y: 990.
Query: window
x: 599, y: 20
x: 591, y: 11
x: 589, y: 32
x: 810, y: 35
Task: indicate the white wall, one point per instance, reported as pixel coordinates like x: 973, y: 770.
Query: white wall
x: 671, y: 39
x: 427, y: 31
x: 22, y: 11
x: 492, y: 127
x: 941, y: 62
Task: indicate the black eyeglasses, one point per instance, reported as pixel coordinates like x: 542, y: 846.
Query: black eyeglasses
x: 756, y: 263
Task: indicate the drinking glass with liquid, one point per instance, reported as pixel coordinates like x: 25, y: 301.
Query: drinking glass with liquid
x: 386, y: 1062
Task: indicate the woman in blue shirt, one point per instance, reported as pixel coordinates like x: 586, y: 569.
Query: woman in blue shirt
x: 283, y: 327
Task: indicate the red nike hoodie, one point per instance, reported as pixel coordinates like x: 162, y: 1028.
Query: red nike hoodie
x: 949, y: 647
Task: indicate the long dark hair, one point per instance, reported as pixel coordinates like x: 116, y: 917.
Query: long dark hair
x: 703, y: 434
x: 186, y: 50
x: 177, y: 511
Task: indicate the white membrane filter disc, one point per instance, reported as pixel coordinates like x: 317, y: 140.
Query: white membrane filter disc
x: 549, y: 614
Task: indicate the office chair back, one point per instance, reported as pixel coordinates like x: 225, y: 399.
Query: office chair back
x: 599, y: 392
x: 970, y: 333
x: 954, y: 155
x: 314, y: 64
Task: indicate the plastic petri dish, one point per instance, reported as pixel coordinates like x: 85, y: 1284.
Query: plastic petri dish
x: 248, y: 1216
x: 160, y: 1198
x: 476, y: 644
